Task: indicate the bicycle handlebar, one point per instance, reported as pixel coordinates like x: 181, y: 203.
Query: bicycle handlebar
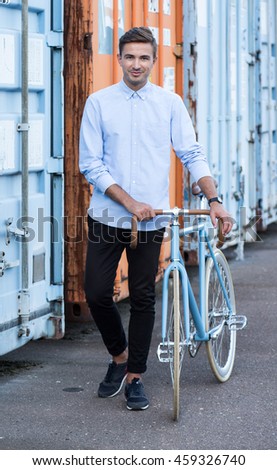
x: 179, y: 212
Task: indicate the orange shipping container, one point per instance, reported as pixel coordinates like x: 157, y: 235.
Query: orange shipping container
x: 92, y: 31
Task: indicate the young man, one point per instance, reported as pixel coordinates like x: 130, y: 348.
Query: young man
x: 126, y: 134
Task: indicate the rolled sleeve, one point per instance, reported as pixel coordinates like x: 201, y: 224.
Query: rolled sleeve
x: 199, y: 169
x: 185, y: 144
x: 104, y: 182
x: 91, y: 149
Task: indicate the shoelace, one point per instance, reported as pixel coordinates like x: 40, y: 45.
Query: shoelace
x: 136, y: 387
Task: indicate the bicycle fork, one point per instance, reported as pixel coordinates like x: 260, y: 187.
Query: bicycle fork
x: 166, y: 344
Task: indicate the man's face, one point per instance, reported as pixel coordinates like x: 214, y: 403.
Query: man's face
x: 136, y: 61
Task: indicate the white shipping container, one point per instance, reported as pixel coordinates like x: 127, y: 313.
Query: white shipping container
x: 230, y: 89
x: 31, y: 181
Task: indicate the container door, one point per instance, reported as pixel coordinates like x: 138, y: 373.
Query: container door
x: 31, y: 209
x: 266, y: 76
x: 219, y: 78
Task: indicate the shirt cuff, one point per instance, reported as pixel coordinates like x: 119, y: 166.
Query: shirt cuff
x: 199, y: 170
x: 104, y: 182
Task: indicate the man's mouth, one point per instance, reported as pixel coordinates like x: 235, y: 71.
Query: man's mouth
x: 136, y: 73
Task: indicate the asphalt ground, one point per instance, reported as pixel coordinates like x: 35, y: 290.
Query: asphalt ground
x: 48, y: 388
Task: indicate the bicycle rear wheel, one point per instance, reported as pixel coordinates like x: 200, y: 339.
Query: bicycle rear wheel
x: 176, y: 343
x: 221, y: 350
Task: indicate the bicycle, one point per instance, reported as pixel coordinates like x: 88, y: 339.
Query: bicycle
x: 184, y: 323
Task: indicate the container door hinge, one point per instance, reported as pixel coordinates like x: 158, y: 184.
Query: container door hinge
x: 251, y: 58
x: 24, y: 312
x: 251, y: 137
x: 55, y: 165
x: 6, y: 264
x: 55, y: 292
x: 55, y: 39
x: 178, y: 50
x: 23, y: 127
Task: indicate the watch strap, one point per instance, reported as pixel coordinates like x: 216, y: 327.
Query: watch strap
x: 214, y: 199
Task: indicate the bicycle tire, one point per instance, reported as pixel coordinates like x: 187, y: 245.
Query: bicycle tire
x: 221, y: 351
x: 175, y: 340
x: 176, y: 361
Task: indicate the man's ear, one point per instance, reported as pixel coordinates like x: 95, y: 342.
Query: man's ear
x: 119, y: 59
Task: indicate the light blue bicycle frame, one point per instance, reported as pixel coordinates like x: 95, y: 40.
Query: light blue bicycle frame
x: 189, y: 302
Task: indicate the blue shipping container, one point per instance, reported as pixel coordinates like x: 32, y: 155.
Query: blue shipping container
x: 31, y: 172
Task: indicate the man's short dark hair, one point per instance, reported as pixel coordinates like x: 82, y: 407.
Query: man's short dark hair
x: 139, y: 34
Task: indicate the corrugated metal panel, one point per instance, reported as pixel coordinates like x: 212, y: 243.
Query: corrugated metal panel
x: 102, y: 23
x: 266, y: 112
x: 230, y: 89
x: 31, y: 266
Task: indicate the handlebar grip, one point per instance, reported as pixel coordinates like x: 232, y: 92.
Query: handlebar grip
x: 134, y: 233
x: 220, y: 236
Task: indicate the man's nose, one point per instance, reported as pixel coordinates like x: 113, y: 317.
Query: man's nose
x: 136, y: 64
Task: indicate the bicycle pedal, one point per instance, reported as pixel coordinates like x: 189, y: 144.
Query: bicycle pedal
x: 162, y: 352
x: 237, y: 322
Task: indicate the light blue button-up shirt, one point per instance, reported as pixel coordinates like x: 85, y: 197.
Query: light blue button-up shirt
x: 125, y: 138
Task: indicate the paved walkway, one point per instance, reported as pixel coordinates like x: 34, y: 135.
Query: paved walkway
x: 48, y: 389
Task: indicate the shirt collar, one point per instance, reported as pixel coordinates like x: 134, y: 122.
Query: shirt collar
x: 142, y: 92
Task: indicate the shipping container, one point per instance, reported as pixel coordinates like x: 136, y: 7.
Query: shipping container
x: 31, y: 172
x: 230, y: 91
x: 92, y: 31
x: 266, y: 112
x: 219, y: 55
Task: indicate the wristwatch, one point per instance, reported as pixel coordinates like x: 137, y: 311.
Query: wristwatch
x: 215, y: 199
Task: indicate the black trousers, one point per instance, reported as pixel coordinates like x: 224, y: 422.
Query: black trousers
x: 105, y: 247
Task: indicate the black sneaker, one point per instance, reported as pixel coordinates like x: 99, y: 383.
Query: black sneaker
x: 114, y: 380
x: 135, y: 396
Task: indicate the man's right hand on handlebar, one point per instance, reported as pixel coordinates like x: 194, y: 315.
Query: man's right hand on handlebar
x: 142, y: 211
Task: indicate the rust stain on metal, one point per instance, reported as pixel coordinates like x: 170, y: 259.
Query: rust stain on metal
x: 78, y: 79
x: 58, y: 329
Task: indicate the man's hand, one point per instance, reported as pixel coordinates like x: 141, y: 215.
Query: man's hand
x: 217, y: 211
x: 141, y: 210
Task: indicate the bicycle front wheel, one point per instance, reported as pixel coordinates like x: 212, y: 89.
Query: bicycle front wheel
x: 221, y: 350
x: 176, y: 343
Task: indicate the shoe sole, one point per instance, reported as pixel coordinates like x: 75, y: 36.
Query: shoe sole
x: 115, y: 393
x: 138, y: 408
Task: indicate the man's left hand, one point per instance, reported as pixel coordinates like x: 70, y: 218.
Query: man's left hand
x: 217, y: 211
